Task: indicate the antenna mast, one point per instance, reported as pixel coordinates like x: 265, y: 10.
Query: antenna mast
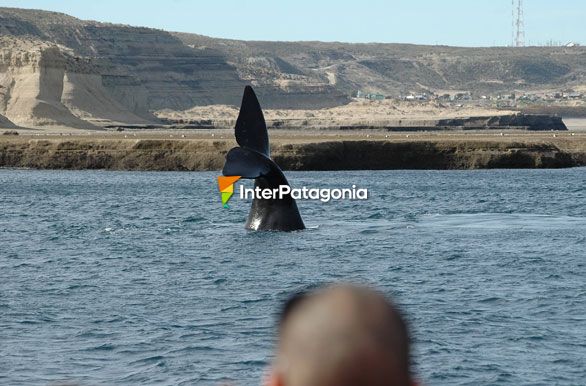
x: 518, y: 24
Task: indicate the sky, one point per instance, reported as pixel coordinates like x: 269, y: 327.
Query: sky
x: 437, y: 22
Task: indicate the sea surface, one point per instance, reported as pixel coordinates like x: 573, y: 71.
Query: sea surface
x: 123, y: 278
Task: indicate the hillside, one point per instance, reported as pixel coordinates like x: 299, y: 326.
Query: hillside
x: 394, y: 69
x: 56, y: 70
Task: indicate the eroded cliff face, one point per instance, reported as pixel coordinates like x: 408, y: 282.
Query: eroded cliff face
x: 45, y: 84
x: 148, y: 69
x: 71, y: 72
x: 58, y: 70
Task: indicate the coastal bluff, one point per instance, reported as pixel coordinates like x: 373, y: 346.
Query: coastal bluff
x: 375, y: 151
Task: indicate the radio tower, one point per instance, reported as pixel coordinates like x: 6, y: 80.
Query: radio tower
x: 518, y: 24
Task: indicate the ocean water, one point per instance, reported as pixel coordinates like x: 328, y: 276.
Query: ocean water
x: 121, y: 278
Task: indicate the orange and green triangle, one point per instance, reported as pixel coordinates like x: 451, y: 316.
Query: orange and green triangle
x: 226, y: 186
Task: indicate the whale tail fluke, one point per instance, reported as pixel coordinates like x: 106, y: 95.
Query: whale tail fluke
x: 252, y: 161
x: 247, y: 164
x: 251, y: 129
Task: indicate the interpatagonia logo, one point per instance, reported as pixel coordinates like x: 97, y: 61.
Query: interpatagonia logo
x: 226, y: 186
x: 304, y: 193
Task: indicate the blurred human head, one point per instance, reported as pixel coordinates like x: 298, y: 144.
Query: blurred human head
x: 341, y: 335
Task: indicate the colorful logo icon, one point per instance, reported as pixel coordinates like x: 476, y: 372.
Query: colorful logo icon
x: 226, y: 186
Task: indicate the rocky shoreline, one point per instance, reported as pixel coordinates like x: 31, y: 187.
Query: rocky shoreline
x: 400, y: 152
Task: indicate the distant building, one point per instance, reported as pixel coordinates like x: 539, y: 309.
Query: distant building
x: 415, y: 97
x: 528, y: 97
x: 371, y: 96
x: 461, y: 96
x: 375, y: 97
x: 573, y: 95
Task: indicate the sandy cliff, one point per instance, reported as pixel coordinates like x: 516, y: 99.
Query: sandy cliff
x: 58, y: 70
x: 45, y: 85
x: 145, y: 69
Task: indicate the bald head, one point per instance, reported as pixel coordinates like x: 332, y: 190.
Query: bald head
x: 342, y: 335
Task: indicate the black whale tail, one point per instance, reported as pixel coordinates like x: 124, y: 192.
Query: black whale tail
x: 247, y: 163
x: 252, y: 160
x: 251, y: 128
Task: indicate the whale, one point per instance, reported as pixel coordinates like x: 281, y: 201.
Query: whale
x: 252, y: 160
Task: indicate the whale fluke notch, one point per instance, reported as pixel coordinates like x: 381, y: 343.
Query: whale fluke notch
x: 251, y: 128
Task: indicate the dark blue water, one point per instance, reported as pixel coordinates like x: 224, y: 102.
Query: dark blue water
x: 143, y: 278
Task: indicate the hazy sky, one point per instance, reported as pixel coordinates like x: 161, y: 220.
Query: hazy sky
x: 450, y: 22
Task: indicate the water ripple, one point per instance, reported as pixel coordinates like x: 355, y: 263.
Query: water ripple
x: 124, y: 278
